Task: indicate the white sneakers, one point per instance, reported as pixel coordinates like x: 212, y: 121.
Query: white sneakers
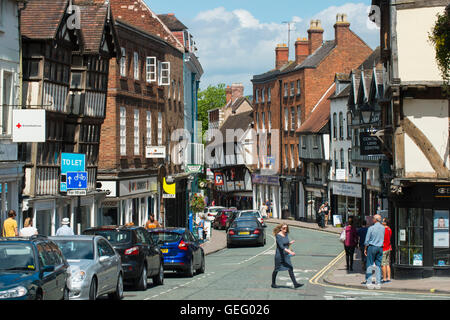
x: 372, y: 286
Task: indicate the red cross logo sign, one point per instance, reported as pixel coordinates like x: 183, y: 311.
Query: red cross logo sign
x: 19, y: 125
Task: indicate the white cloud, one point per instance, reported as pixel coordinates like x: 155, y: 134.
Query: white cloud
x: 235, y: 45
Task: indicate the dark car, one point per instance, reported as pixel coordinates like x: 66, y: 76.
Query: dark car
x: 220, y: 221
x: 32, y: 268
x: 141, y: 257
x: 246, y: 231
x: 181, y: 249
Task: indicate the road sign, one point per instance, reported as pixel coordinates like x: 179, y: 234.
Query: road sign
x: 76, y: 192
x: 194, y: 168
x: 77, y: 180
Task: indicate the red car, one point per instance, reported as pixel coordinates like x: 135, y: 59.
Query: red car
x: 220, y: 221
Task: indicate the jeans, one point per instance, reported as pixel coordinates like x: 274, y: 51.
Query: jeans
x: 374, y: 255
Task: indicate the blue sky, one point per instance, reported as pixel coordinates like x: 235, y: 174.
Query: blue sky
x: 237, y: 38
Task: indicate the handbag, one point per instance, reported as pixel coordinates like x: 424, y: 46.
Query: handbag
x: 343, y: 236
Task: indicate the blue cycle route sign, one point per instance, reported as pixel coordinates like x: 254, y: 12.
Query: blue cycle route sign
x: 77, y: 180
x: 71, y: 162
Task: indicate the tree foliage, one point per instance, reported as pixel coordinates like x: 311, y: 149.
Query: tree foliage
x: 211, y: 98
x: 440, y: 37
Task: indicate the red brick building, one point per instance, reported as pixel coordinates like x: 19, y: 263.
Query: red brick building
x: 144, y: 106
x: 284, y: 98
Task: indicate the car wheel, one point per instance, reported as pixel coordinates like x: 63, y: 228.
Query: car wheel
x: 93, y: 290
x: 159, y: 278
x: 229, y: 245
x: 39, y: 295
x: 190, y: 271
x: 202, y: 265
x: 141, y: 284
x: 118, y: 294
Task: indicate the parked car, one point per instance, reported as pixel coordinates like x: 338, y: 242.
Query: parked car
x: 141, y: 257
x: 32, y: 268
x: 247, y: 230
x: 181, y: 249
x: 220, y: 221
x: 211, y: 212
x: 251, y: 213
x: 95, y: 267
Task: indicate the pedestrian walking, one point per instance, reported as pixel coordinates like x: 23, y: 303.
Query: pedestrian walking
x: 64, y: 230
x: 264, y: 210
x: 321, y: 217
x: 387, y: 248
x: 28, y: 230
x: 327, y: 212
x: 201, y: 228
x: 152, y: 223
x: 10, y: 225
x: 283, y: 254
x: 351, y: 241
x: 374, y: 251
x: 362, y: 232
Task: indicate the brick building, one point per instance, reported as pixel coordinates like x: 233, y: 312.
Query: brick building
x: 284, y: 98
x: 145, y: 105
x: 65, y: 72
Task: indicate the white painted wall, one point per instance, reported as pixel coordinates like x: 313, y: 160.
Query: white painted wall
x: 416, y: 55
x: 431, y: 117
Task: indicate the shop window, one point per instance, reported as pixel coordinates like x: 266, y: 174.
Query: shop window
x: 410, y: 236
x: 441, y: 253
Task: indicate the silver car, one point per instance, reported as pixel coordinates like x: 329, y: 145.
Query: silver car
x: 95, y: 267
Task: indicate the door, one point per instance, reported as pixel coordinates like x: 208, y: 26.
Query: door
x: 107, y: 271
x: 195, y: 247
x: 149, y: 253
x: 60, y: 269
x: 48, y: 278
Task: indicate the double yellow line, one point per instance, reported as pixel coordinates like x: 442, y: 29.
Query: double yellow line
x: 316, y: 278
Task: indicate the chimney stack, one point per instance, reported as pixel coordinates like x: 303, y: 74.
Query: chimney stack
x: 281, y: 55
x: 237, y: 91
x: 341, y: 28
x: 315, y: 35
x: 301, y: 50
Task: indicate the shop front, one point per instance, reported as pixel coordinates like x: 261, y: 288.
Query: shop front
x: 267, y: 189
x: 420, y: 217
x: 345, y: 200
x: 10, y: 187
x: 130, y: 200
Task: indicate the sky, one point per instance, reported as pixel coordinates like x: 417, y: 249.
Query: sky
x: 236, y: 39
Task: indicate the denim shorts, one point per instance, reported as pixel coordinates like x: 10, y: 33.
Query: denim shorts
x: 386, y: 261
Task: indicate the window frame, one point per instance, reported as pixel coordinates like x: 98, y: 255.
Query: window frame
x: 151, y: 69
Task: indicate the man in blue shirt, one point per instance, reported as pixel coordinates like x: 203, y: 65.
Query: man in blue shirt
x: 374, y: 251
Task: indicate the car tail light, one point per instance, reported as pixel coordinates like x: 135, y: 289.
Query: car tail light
x: 232, y: 233
x: 256, y: 231
x: 132, y: 251
x: 182, y: 245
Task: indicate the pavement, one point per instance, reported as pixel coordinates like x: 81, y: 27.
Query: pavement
x: 338, y: 275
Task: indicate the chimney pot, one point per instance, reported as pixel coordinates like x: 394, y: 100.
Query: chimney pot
x: 281, y: 55
x: 315, y: 35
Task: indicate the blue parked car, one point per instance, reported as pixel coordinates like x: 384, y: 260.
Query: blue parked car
x: 32, y: 268
x: 181, y: 250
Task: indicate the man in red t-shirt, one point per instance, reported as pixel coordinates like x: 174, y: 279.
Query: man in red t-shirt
x: 387, y: 248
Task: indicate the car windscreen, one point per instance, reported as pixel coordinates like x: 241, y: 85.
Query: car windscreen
x: 245, y: 224
x: 165, y: 237
x: 114, y: 236
x: 15, y: 256
x: 76, y: 249
x: 249, y: 214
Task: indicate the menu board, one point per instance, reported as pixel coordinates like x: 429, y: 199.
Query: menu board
x: 441, y: 228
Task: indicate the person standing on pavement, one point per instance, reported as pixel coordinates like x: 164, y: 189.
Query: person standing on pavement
x: 65, y: 230
x: 283, y: 255
x: 10, y: 225
x: 28, y: 230
x: 387, y: 248
x: 326, y: 211
x: 362, y: 232
x: 374, y: 251
x: 152, y: 223
x: 321, y: 216
x: 264, y: 210
x: 201, y: 228
x: 351, y: 241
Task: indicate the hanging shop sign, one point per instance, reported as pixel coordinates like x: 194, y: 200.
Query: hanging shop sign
x: 218, y: 179
x: 370, y: 145
x: 28, y: 125
x: 266, y: 180
x: 155, y: 152
x: 169, y: 190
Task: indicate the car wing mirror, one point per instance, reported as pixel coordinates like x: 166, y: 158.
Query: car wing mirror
x: 48, y: 269
x: 103, y: 259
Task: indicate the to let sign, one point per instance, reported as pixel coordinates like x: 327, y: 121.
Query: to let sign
x: 369, y: 145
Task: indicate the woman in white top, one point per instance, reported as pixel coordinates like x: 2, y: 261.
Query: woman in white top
x: 28, y: 230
